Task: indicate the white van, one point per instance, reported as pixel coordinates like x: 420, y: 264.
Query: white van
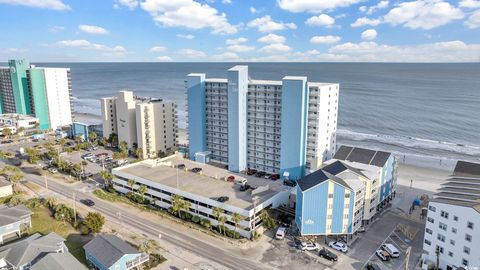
x: 240, y: 181
x: 392, y: 250
x: 280, y: 234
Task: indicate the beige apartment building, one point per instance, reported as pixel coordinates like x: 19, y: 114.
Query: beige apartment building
x: 146, y: 123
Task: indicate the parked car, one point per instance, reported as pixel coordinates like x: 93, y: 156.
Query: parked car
x: 280, y: 234
x: 275, y: 177
x: 251, y: 171
x: 223, y: 199
x: 392, y: 250
x: 309, y: 246
x: 240, y: 182
x: 267, y: 176
x: 372, y: 266
x: 382, y: 254
x: 181, y: 166
x: 361, y: 229
x: 53, y: 170
x: 338, y: 246
x: 245, y: 187
x: 327, y: 254
x: 260, y: 174
x: 88, y: 202
x: 231, y: 178
x: 289, y: 183
x: 196, y: 170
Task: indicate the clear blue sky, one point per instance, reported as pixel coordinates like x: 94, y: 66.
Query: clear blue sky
x: 240, y: 30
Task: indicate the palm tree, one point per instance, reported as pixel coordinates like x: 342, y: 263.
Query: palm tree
x: 5, y: 154
x: 185, y: 205
x: 62, y: 142
x: 139, y: 153
x: 222, y: 219
x: 92, y: 136
x: 148, y: 246
x: 107, y: 177
x: 217, y: 212
x: 79, y: 138
x: 236, y: 217
x: 51, y: 202
x: 142, y: 190
x: 131, y: 183
x: 6, y: 132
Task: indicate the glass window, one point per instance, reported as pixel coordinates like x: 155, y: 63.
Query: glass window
x: 444, y: 214
x: 468, y: 237
x: 466, y: 250
x: 470, y: 225
x: 432, y: 208
x: 428, y: 231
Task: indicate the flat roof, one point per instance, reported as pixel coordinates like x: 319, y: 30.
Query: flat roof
x: 209, y: 183
x: 466, y: 168
x: 362, y: 155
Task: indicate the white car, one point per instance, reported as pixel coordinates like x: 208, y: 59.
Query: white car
x: 382, y: 254
x: 309, y: 246
x: 280, y: 234
x: 338, y: 246
x: 53, y: 170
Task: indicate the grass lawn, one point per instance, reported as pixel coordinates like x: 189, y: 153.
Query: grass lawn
x: 32, y: 186
x: 43, y: 223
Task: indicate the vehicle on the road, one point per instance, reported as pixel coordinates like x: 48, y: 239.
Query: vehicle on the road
x: 372, y: 266
x: 181, y: 166
x: 289, y: 183
x: 361, y: 229
x: 53, y: 170
x: 275, y: 177
x: 392, y: 250
x: 6, y: 141
x: 108, y: 159
x: 223, y: 198
x: 267, y: 176
x: 310, y: 246
x: 338, y: 246
x: 231, y: 178
x: 280, y: 234
x: 382, y: 254
x: 327, y: 254
x: 87, y: 202
x: 196, y: 170
x: 240, y: 182
x: 87, y: 156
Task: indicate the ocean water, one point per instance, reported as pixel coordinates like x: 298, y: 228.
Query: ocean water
x: 414, y: 109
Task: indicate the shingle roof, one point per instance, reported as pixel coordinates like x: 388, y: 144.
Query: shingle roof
x: 58, y: 261
x: 9, y: 215
x: 466, y: 168
x: 108, y: 249
x: 362, y: 155
x: 31, y: 248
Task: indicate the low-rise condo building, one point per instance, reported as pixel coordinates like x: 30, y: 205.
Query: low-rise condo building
x: 16, y: 122
x: 146, y: 123
x: 272, y: 126
x: 453, y: 221
x: 203, y: 190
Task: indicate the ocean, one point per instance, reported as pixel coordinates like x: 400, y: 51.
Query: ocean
x: 422, y: 110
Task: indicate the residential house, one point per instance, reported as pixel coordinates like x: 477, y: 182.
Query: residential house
x: 13, y: 220
x: 108, y: 252
x: 58, y: 261
x: 6, y: 187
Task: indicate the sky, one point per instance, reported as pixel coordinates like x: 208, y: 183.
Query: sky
x: 240, y: 30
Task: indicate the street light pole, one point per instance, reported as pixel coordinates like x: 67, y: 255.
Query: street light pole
x: 74, y: 209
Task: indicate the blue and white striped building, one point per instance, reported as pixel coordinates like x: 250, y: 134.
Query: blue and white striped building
x: 344, y: 194
x: 272, y: 126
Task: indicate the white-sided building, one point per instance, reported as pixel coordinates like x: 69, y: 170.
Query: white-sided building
x: 146, y: 123
x: 15, y: 121
x: 453, y: 221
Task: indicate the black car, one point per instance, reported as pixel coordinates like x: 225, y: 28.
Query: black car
x: 223, y: 199
x: 181, y: 166
x: 372, y: 266
x: 327, y: 254
x: 87, y: 202
x: 260, y: 174
x: 289, y: 183
x: 244, y: 187
x: 196, y: 170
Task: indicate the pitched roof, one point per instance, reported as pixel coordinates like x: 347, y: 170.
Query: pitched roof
x: 9, y: 215
x: 466, y: 168
x: 58, y: 261
x: 362, y: 155
x: 312, y: 180
x: 31, y: 248
x: 108, y: 249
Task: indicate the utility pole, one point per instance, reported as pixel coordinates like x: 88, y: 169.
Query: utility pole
x: 46, y: 181
x: 74, y: 209
x: 407, y: 255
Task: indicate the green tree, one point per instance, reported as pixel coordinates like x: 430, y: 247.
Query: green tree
x: 78, y: 139
x: 92, y: 136
x: 94, y: 221
x: 103, y: 141
x: 123, y: 146
x: 217, y: 212
x: 139, y: 153
x: 21, y: 129
x: 113, y: 139
x: 50, y: 202
x: 62, y: 142
x: 236, y: 217
x: 64, y: 213
x: 268, y: 222
x: 148, y: 246
x: 142, y: 190
x: 131, y: 183
x: 17, y: 199
x: 33, y: 155
x: 107, y: 177
x: 6, y: 132
x: 222, y: 219
x: 12, y: 174
x: 37, y: 125
x: 5, y: 154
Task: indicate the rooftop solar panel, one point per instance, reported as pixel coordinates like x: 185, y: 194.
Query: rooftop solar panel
x: 312, y: 180
x: 466, y: 168
x: 343, y: 152
x: 361, y: 155
x: 335, y: 168
x: 380, y: 159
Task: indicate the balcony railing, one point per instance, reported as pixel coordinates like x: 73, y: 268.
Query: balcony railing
x: 137, y: 261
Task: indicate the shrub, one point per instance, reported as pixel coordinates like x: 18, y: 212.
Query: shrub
x: 134, y: 197
x: 94, y: 221
x: 83, y: 229
x: 196, y: 219
x: 206, y: 223
x: 154, y: 260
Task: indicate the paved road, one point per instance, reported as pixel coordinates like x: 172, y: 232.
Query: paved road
x: 183, y: 240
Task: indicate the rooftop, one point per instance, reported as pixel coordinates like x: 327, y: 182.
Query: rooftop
x: 4, y: 182
x: 9, y: 215
x: 17, y: 116
x: 210, y: 183
x: 467, y: 168
x: 362, y: 155
x: 461, y: 191
x: 58, y: 261
x: 108, y: 249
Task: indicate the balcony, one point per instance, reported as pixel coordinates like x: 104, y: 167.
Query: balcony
x: 137, y: 261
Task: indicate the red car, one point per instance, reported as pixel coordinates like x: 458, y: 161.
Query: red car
x: 275, y: 177
x: 231, y: 178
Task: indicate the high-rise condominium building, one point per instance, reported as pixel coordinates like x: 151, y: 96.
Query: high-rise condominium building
x: 272, y: 126
x: 43, y: 92
x: 146, y: 123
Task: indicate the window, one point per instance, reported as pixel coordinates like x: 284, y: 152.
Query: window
x: 464, y: 262
x: 427, y: 230
x: 468, y: 237
x: 450, y: 254
x: 466, y: 250
x: 441, y: 237
x: 470, y: 225
x: 444, y: 214
x: 432, y: 208
x: 347, y: 195
x: 330, y: 195
x: 452, y: 242
x: 454, y: 230
x: 442, y: 226
x: 440, y: 249
x: 428, y: 242
x: 455, y: 218
x: 431, y: 220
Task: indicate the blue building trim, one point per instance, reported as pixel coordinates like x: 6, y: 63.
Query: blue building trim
x: 387, y: 178
x: 350, y: 212
x: 237, y: 118
x: 314, y: 210
x: 196, y: 114
x: 338, y: 208
x: 293, y: 145
x: 77, y: 129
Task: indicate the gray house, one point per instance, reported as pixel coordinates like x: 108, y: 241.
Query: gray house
x: 22, y: 254
x: 108, y: 252
x: 13, y: 220
x: 58, y: 261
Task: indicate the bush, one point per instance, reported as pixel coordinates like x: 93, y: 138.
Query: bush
x: 206, y: 223
x: 94, y: 222
x: 196, y: 219
x: 134, y: 197
x: 233, y: 234
x: 154, y: 260
x: 185, y: 216
x: 83, y: 229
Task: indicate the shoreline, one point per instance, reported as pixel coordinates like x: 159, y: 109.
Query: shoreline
x: 404, y: 160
